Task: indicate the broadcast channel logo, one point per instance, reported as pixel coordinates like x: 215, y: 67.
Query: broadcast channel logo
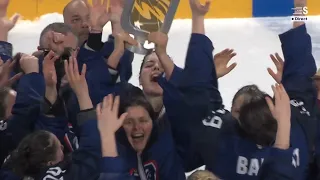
x: 300, y: 13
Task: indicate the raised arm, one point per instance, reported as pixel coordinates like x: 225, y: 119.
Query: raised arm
x: 192, y: 113
x: 299, y: 65
x: 6, y: 25
x: 113, y: 167
x: 279, y: 164
x: 30, y: 92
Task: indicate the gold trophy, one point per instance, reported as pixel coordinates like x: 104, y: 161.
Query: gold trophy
x: 140, y: 17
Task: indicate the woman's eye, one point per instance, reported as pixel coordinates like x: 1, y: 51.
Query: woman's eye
x: 143, y: 121
x: 127, y: 122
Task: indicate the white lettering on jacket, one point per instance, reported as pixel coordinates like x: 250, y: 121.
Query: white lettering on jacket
x: 214, y: 120
x: 54, y: 173
x: 251, y: 166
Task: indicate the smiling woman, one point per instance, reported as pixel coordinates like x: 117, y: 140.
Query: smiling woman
x: 31, y: 9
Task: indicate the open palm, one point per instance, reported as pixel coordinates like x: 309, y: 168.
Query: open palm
x: 115, y: 10
x: 5, y: 23
x: 99, y: 15
x: 221, y: 61
x: 279, y: 63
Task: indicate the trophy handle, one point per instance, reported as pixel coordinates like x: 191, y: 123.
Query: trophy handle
x: 169, y: 16
x: 140, y: 35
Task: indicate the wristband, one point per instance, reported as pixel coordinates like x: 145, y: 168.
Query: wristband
x: 94, y: 41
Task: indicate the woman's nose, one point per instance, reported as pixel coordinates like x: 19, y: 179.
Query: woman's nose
x: 136, y: 126
x: 156, y: 67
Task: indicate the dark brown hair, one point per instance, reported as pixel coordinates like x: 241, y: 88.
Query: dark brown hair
x: 32, y: 154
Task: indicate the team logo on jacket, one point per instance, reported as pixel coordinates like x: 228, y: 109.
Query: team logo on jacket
x: 150, y: 169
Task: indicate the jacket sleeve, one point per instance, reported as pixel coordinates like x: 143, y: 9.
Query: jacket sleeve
x: 30, y: 93
x: 90, y: 57
x: 199, y: 55
x: 299, y: 68
x: 94, y: 41
x: 89, y: 49
x: 191, y: 86
x: 86, y: 160
x: 278, y: 166
x: 194, y: 106
x: 114, y: 168
x: 5, y: 50
x: 89, y: 134
x: 124, y: 68
x: 101, y: 78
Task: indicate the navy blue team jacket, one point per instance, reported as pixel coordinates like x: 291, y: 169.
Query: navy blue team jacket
x: 212, y: 140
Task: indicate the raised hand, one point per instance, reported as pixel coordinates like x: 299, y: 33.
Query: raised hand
x: 49, y: 70
x: 160, y: 40
x: 5, y: 70
x: 29, y: 64
x: 280, y: 110
x: 300, y: 3
x: 221, y: 61
x: 279, y: 63
x: 4, y: 4
x: 115, y: 11
x: 198, y: 9
x: 99, y: 15
x: 6, y: 24
x: 119, y: 47
x: 107, y: 114
x: 77, y: 81
x: 121, y: 39
x: 55, y: 42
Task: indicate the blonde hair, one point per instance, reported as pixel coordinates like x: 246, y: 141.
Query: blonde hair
x: 202, y: 175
